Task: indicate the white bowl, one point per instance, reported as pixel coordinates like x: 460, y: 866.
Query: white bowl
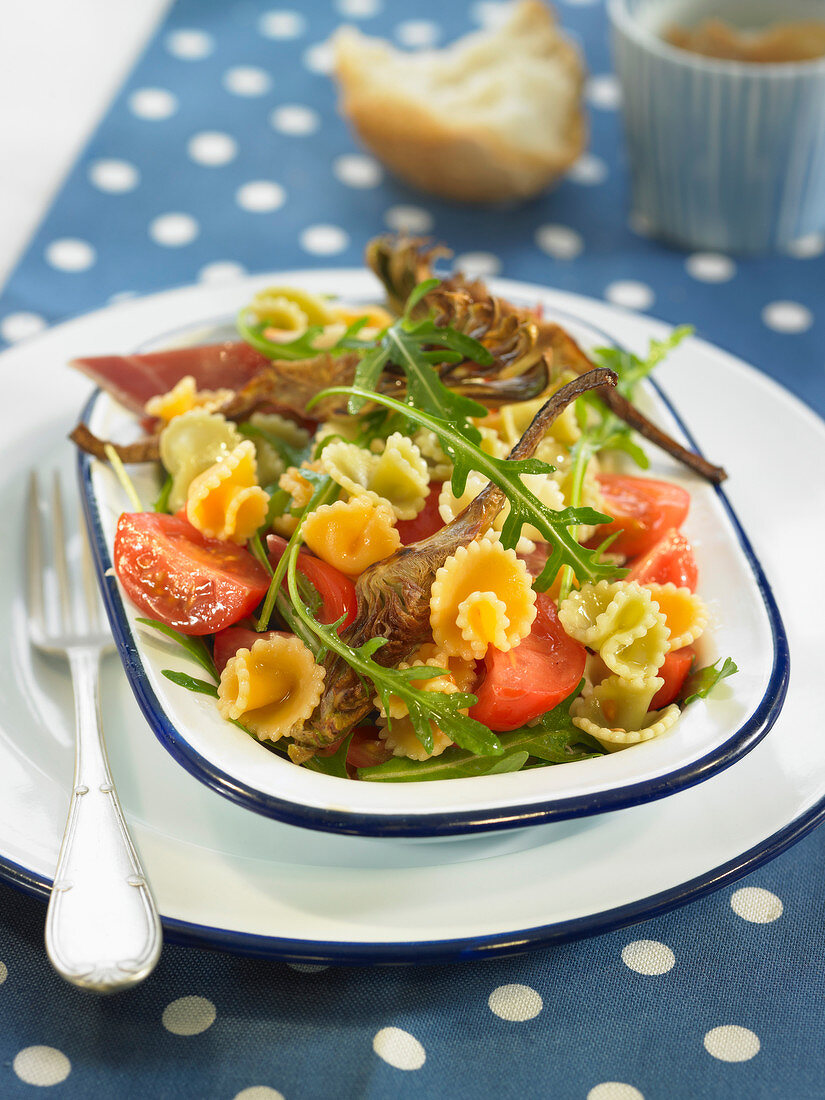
x: 711, y: 735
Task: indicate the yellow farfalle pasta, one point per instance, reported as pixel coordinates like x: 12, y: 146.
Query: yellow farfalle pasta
x: 622, y: 622
x: 225, y: 501
x: 439, y: 466
x: 190, y: 444
x: 516, y: 418
x: 352, y: 534
x: 395, y: 727
x: 398, y: 476
x: 685, y: 613
x: 541, y: 485
x: 271, y: 688
x: 483, y: 621
x: 184, y: 397
x: 290, y: 310
x: 483, y: 566
x: 616, y: 713
x: 278, y: 428
x: 463, y: 673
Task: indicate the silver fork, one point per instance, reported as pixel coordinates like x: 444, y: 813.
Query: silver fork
x: 102, y: 927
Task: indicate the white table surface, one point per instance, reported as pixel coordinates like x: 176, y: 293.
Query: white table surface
x: 61, y: 61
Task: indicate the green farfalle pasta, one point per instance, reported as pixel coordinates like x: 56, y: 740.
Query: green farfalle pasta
x: 616, y: 712
x: 622, y: 622
x: 190, y: 444
x: 398, y: 476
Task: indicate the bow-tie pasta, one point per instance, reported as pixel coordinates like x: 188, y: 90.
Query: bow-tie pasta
x: 272, y: 688
x: 184, y: 397
x: 190, y: 444
x: 398, y: 476
x: 352, y: 534
x: 541, y: 486
x: 616, y: 713
x: 685, y: 613
x: 515, y: 419
x: 463, y: 626
x: 395, y: 727
x: 225, y: 501
x: 621, y: 622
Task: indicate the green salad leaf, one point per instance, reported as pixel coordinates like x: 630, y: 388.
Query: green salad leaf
x: 701, y: 682
x: 195, y: 647
x: 191, y: 683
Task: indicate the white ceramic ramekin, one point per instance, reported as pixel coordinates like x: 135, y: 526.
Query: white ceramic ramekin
x: 724, y: 155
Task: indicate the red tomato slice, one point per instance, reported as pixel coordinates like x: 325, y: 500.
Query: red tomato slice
x: 228, y: 642
x: 642, y: 510
x: 674, y: 672
x: 337, y: 592
x: 533, y: 677
x: 426, y: 523
x: 670, y: 560
x: 177, y: 576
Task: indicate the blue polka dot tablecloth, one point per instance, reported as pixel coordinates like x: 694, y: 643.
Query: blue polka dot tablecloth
x: 222, y: 153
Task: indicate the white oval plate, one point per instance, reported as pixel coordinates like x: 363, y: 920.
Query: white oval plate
x: 711, y: 735
x: 236, y: 880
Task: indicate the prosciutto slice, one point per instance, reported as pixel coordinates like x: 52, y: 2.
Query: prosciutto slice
x: 133, y: 379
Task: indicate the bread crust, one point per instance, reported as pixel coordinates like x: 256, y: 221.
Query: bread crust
x: 455, y: 160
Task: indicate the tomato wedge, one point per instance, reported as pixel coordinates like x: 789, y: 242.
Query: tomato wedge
x: 426, y: 523
x: 177, y: 576
x: 533, y: 677
x: 674, y: 672
x: 642, y: 510
x: 337, y: 592
x: 670, y: 560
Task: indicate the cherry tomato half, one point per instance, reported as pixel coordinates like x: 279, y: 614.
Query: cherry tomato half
x: 674, y: 672
x: 642, y: 510
x: 670, y: 560
x: 337, y: 592
x: 426, y: 523
x: 177, y: 576
x: 533, y: 677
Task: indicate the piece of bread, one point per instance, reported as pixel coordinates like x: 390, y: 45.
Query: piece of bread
x: 496, y: 115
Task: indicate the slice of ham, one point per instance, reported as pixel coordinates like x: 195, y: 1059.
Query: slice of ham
x: 133, y: 379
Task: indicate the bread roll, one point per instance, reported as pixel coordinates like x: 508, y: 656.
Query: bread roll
x: 495, y: 116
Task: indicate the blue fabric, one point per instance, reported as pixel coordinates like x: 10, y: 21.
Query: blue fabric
x: 311, y: 1035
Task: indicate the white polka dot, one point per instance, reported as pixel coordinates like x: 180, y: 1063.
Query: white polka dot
x: 70, y: 254
x: 731, y: 1043
x: 258, y: 1092
x: 14, y: 327
x: 614, y: 1090
x: 756, y: 905
x: 710, y: 267
x: 189, y: 1015
x: 790, y: 317
x: 319, y: 58
x: 588, y: 170
x: 189, y: 45
x: 212, y: 148
x: 173, y: 230
x: 417, y: 33
x: 603, y: 91
x: 648, y: 957
x: 293, y: 118
x: 116, y: 176
x: 478, y: 265
x: 399, y: 1048
x: 246, y: 80
x: 559, y: 241
x: 806, y: 248
x: 630, y: 294
x: 323, y: 240
x: 491, y: 14
x: 307, y: 968
x: 281, y: 24
x: 515, y: 1002
x: 221, y: 271
x: 355, y: 170
x: 409, y: 219
x: 260, y: 196
x: 152, y: 103
x: 42, y: 1066
x: 4, y: 972
x: 358, y: 9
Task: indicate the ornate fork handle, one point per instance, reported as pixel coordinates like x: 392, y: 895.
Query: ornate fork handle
x: 100, y: 899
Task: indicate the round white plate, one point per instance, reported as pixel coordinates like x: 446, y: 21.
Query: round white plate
x: 230, y: 878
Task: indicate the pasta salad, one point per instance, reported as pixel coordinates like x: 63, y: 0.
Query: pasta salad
x: 397, y: 540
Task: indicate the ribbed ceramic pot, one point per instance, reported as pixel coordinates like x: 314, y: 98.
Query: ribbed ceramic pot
x: 724, y: 155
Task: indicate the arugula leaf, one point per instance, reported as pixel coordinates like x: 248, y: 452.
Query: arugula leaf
x: 195, y: 647
x: 303, y: 346
x: 292, y: 456
x: 336, y: 764
x: 630, y: 368
x: 525, y: 507
x: 190, y: 682
x: 702, y: 681
x: 161, y: 503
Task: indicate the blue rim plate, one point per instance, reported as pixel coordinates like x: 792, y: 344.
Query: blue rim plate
x: 329, y: 810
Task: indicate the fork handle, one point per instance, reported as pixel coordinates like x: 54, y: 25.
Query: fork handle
x: 102, y: 926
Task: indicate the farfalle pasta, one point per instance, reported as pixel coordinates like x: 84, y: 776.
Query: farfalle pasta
x: 398, y: 476
x: 685, y: 613
x: 183, y: 397
x: 225, y: 501
x: 190, y: 444
x: 352, y: 534
x: 617, y: 711
x: 622, y: 623
x: 271, y: 688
